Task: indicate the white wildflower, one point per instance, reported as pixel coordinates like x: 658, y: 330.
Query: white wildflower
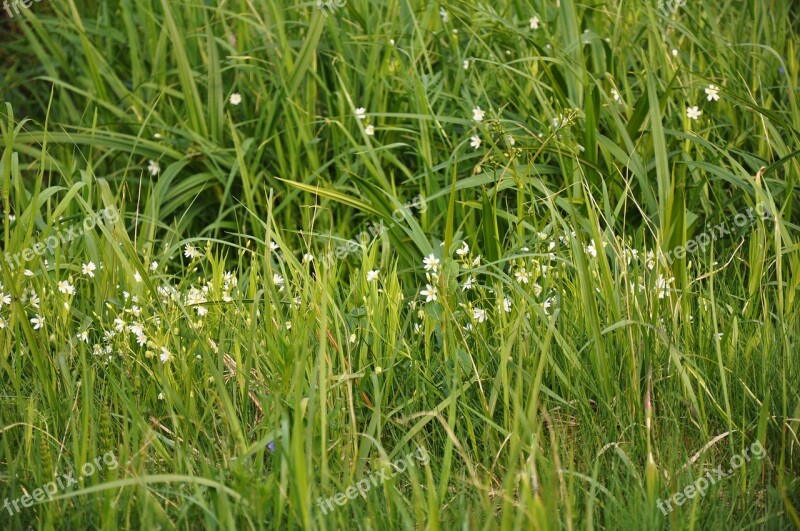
x: 431, y: 263
x: 430, y: 293
x: 693, y: 112
x: 37, y: 322
x: 468, y: 284
x: 154, y: 168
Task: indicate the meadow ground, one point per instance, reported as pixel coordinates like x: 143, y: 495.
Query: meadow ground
x: 399, y: 265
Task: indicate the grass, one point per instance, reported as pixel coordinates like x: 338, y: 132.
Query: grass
x: 567, y: 374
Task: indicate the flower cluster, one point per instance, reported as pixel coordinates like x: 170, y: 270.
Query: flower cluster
x: 712, y: 94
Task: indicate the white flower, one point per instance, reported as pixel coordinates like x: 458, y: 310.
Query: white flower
x: 547, y: 304
x: 37, y: 322
x: 28, y: 273
x: 693, y: 112
x: 154, y: 168
x: 89, y: 269
x: 534, y: 22
x: 308, y: 258
x: 615, y: 94
x: 236, y: 98
x: 2, y: 323
x: 537, y: 289
x: 369, y: 130
x: 478, y: 114
x: 630, y: 254
x: 66, y: 288
x: 511, y: 140
x: 522, y: 276
x: 662, y: 286
x: 468, y: 283
x: 372, y: 275
x: 136, y: 329
x: 477, y: 261
x: 142, y: 340
x: 361, y: 113
x: 479, y: 314
x: 278, y: 281
x: 475, y: 141
x: 431, y: 263
x: 674, y: 52
x: 273, y: 246
x: 137, y: 277
x: 165, y: 355
x: 507, y: 305
x: 83, y: 336
x: 466, y: 64
x: 4, y: 299
x: 713, y: 93
x: 463, y: 250
x: 650, y: 260
x: 444, y: 15
x: 119, y: 324
x: 429, y: 293
x: 190, y: 251
x: 590, y: 249
x: 560, y: 121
